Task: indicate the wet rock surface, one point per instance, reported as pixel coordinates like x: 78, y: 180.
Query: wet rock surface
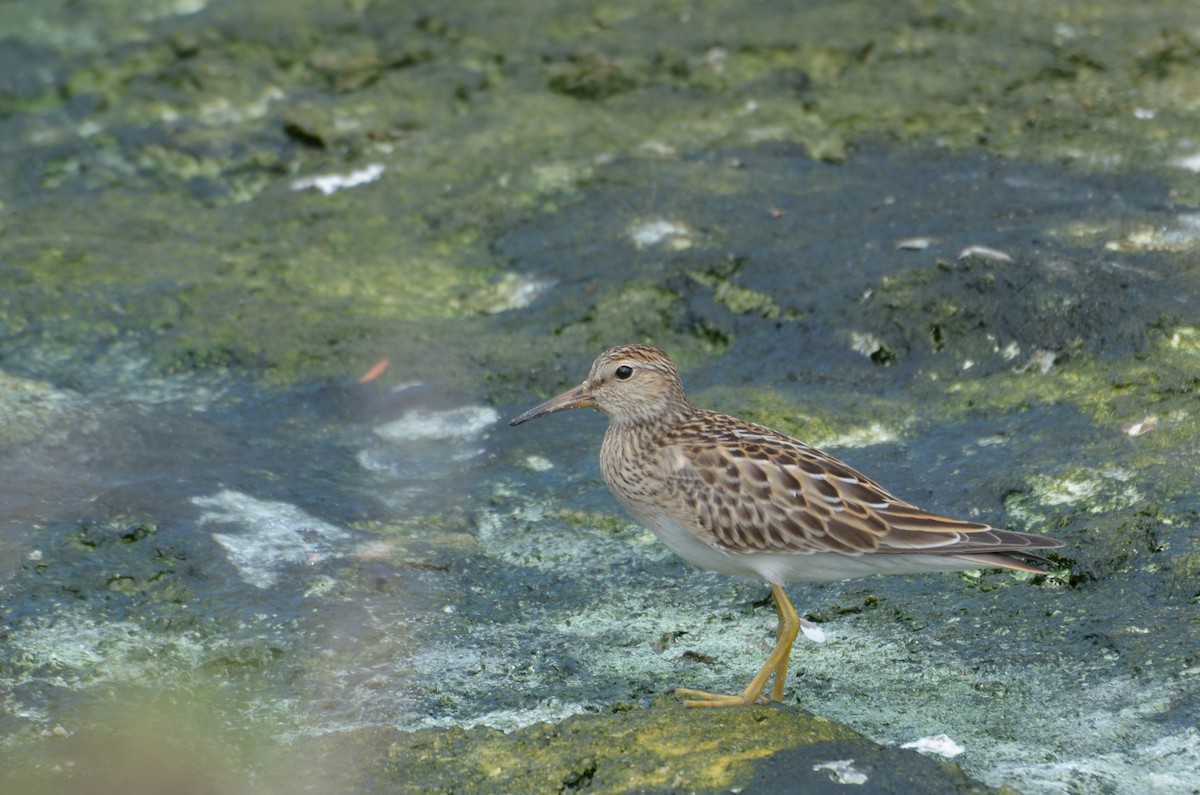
x: 272, y: 276
x: 660, y: 749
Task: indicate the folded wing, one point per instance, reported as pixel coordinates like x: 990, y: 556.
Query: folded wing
x: 765, y: 492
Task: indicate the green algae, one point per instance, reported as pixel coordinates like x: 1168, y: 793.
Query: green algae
x: 740, y: 300
x: 475, y: 125
x: 605, y: 522
x: 1159, y: 383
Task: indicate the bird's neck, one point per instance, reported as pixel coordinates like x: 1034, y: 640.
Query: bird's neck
x: 629, y: 458
x: 653, y: 422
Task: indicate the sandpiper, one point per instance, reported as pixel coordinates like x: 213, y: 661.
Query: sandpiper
x: 732, y: 496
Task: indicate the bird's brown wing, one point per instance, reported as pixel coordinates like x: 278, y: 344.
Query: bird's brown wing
x: 751, y: 489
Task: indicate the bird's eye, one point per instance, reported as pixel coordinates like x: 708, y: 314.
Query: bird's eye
x: 623, y: 372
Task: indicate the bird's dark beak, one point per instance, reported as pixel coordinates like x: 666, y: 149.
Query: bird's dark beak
x: 577, y: 398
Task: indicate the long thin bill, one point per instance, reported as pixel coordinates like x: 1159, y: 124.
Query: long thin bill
x: 577, y: 398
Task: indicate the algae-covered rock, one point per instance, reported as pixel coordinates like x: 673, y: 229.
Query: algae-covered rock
x: 660, y: 749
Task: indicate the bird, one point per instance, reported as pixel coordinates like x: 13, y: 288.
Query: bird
x: 736, y: 497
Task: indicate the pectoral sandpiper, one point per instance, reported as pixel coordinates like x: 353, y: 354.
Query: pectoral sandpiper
x: 735, y: 497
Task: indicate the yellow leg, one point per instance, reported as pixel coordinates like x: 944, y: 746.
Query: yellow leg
x: 777, y: 664
x: 789, y: 622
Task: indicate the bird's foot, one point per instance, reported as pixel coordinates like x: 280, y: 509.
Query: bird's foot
x: 699, y: 698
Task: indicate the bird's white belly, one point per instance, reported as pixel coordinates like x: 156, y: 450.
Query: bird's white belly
x: 686, y: 545
x: 785, y: 567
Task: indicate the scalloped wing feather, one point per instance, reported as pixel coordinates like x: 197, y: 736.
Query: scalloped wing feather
x: 751, y: 489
